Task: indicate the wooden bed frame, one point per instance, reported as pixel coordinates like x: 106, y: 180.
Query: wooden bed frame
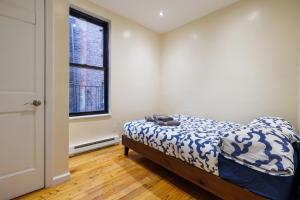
x: 201, y: 178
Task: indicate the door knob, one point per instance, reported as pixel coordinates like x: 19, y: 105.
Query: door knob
x: 34, y: 103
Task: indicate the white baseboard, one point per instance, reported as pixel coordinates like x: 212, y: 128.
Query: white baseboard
x: 61, y: 178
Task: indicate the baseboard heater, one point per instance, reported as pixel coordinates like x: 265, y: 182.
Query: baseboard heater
x: 93, y: 145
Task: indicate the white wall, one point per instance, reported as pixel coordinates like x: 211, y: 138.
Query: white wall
x: 235, y: 64
x: 299, y: 67
x: 134, y: 76
x: 134, y: 67
x: 60, y: 70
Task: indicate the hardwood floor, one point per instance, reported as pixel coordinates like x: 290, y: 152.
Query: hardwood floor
x: 108, y: 174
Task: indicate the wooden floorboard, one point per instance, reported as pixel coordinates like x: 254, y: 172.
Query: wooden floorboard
x: 108, y: 174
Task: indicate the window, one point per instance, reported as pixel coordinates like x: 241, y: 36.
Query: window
x: 88, y: 50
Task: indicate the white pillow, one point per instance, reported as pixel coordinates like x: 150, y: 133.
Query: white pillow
x: 279, y: 123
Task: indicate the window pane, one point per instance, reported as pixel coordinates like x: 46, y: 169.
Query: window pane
x: 86, y: 42
x: 86, y: 90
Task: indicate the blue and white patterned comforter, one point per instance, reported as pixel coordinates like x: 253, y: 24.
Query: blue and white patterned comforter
x: 199, y: 141
x: 264, y: 145
x: 195, y: 140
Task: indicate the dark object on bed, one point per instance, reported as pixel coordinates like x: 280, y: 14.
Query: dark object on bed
x: 169, y: 123
x: 201, y: 178
x: 149, y: 119
x: 164, y: 118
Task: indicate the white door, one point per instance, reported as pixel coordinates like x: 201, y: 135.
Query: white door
x: 21, y: 82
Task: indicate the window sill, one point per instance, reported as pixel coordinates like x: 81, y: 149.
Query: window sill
x: 90, y: 116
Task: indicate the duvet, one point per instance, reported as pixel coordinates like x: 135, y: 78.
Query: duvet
x: 263, y: 145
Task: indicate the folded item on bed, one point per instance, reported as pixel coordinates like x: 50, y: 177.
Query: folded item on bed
x: 149, y: 119
x: 163, y: 118
x: 168, y: 123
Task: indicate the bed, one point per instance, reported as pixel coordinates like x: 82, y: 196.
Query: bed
x: 216, y: 155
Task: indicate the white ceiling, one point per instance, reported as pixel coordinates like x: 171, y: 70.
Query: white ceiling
x: 176, y: 12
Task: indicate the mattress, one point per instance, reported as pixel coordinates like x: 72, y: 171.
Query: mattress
x: 271, y: 187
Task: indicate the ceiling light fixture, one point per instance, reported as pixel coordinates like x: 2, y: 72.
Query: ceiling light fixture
x: 161, y: 13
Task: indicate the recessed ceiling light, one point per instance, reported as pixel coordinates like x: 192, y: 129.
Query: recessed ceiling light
x: 161, y: 13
